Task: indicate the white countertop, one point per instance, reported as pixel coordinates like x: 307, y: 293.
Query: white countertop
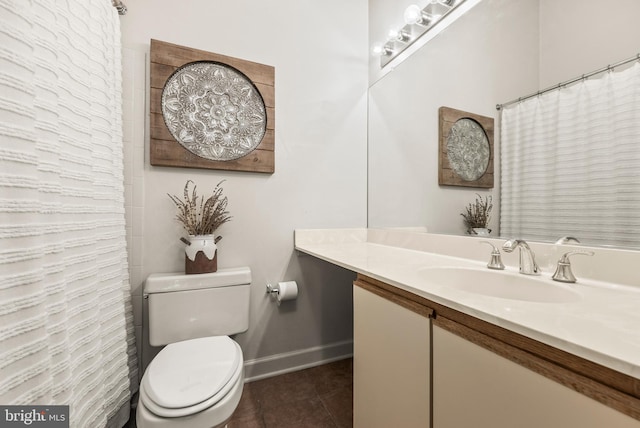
x: 603, y: 326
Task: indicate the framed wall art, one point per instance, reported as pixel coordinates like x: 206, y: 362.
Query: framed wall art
x: 466, y: 149
x: 210, y: 111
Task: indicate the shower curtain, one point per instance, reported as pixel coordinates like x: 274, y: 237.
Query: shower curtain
x: 570, y: 162
x: 66, y: 330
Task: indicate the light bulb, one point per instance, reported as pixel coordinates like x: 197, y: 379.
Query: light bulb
x: 412, y: 14
x: 393, y: 34
x: 382, y: 50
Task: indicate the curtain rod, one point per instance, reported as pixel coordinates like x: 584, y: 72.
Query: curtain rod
x: 569, y: 82
x: 121, y: 7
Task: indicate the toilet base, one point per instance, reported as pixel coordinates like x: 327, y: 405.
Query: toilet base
x: 215, y: 416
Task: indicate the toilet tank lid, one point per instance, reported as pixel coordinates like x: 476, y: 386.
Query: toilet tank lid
x: 170, y: 282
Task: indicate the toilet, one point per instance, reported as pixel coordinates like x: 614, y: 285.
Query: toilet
x: 196, y: 380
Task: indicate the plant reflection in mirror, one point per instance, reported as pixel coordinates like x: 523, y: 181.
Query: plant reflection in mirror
x: 478, y: 214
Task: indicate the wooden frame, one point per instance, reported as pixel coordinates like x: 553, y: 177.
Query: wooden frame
x: 447, y: 175
x: 166, y: 151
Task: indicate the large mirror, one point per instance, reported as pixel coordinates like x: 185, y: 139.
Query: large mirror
x: 497, y: 51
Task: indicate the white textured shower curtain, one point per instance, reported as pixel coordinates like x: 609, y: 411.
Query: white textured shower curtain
x: 570, y: 162
x: 66, y: 333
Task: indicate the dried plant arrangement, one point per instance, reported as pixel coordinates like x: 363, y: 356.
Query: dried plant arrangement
x: 478, y: 214
x: 199, y: 216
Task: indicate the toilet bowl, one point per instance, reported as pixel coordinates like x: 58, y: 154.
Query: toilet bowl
x: 194, y: 383
x: 196, y: 380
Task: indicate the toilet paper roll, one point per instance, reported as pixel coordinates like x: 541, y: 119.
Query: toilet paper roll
x: 288, y: 291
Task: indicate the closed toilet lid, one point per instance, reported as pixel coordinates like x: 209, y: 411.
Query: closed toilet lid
x: 186, y: 373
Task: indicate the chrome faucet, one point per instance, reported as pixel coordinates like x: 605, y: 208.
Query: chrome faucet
x: 528, y: 265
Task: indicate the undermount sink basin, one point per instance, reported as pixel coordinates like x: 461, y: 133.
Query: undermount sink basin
x: 501, y: 284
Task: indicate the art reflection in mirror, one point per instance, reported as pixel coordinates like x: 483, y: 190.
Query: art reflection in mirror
x: 466, y: 149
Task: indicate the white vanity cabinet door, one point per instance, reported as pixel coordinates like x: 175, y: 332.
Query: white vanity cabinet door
x: 473, y: 387
x: 391, y: 364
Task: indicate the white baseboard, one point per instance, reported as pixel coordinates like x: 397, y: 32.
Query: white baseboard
x: 286, y: 362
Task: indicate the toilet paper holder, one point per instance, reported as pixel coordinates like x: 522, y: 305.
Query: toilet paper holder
x: 287, y: 290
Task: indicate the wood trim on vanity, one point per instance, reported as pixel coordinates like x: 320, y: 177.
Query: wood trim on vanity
x: 607, y: 386
x: 394, y: 295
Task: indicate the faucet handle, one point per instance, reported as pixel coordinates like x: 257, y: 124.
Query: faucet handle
x: 567, y: 240
x: 496, y: 260
x: 563, y: 270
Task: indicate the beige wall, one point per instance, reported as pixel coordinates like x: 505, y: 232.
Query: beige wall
x: 319, y: 51
x: 579, y: 36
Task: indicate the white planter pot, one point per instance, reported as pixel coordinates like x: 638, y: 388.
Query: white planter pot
x: 480, y: 231
x: 204, y: 243
x: 202, y: 255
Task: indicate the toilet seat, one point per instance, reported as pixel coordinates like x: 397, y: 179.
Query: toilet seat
x: 190, y: 376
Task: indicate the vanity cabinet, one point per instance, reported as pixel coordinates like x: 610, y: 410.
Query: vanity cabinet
x: 418, y: 363
x: 475, y: 387
x: 391, y: 360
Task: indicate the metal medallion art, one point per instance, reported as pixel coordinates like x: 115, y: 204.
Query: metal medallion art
x: 214, y: 111
x: 465, y: 155
x: 468, y: 149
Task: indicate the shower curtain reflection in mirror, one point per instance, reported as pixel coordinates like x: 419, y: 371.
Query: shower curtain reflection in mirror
x: 570, y: 161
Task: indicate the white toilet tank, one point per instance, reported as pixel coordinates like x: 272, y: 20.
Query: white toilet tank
x: 185, y: 307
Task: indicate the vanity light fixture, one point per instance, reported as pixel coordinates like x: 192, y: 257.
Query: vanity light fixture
x: 418, y: 22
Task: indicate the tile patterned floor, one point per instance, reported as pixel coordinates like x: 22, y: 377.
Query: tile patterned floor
x: 319, y: 397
